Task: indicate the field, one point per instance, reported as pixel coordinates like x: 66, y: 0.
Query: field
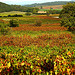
x: 48, y: 49
x: 54, y: 7
x: 48, y: 9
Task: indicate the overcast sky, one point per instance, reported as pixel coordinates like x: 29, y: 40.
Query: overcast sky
x: 24, y: 2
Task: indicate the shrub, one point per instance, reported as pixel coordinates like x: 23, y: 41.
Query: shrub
x: 0, y: 16
x: 4, y: 29
x: 28, y: 13
x: 9, y: 15
x: 35, y: 11
x: 13, y: 23
x: 47, y: 13
x: 38, y: 23
x: 15, y: 15
x: 68, y: 16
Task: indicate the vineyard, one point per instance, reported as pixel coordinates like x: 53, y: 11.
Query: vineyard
x: 48, y: 49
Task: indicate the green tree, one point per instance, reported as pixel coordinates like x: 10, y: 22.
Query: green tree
x: 35, y: 10
x: 50, y: 12
x: 41, y: 7
x: 68, y: 16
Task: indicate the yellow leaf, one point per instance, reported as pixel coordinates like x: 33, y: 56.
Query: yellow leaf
x: 9, y: 64
x: 31, y: 66
x: 68, y: 70
x: 22, y: 64
x: 0, y: 70
x: 69, y: 54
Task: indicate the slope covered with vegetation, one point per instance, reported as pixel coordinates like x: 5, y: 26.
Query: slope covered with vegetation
x: 6, y: 8
x: 49, y: 3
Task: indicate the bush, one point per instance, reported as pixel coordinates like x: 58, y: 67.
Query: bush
x: 9, y: 15
x: 68, y: 22
x: 15, y: 15
x: 13, y: 23
x: 28, y: 13
x: 38, y: 23
x: 68, y: 16
x: 4, y: 29
x: 0, y: 16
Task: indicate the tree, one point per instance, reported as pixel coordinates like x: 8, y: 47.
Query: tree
x: 41, y: 7
x: 68, y: 16
x: 51, y: 8
x: 34, y: 11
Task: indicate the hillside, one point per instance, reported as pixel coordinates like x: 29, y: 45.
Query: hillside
x: 49, y: 3
x: 6, y: 8
x: 51, y: 6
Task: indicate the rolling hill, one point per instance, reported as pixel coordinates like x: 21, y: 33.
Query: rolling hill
x: 49, y: 3
x: 51, y: 6
x: 6, y: 8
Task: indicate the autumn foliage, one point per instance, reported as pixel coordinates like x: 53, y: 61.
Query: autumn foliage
x: 44, y: 27
x: 44, y: 54
x: 52, y: 40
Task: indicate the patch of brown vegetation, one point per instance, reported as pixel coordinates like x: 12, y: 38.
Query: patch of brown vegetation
x: 53, y: 6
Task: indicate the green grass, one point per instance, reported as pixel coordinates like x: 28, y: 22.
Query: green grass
x: 43, y: 9
x: 57, y: 9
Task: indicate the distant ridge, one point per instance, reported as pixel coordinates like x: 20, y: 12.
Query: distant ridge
x: 49, y: 3
x: 7, y: 8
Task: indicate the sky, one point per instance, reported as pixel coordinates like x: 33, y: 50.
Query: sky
x: 24, y: 2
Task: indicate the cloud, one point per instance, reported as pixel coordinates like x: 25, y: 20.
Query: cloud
x: 27, y: 1
x: 18, y: 1
x: 21, y: 1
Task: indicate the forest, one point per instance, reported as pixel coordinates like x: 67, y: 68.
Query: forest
x: 6, y: 8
